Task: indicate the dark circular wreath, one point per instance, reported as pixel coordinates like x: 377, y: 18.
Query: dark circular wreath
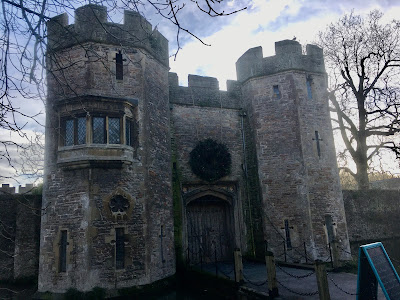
x: 210, y: 160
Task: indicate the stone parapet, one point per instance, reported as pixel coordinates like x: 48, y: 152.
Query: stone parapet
x: 288, y: 56
x: 204, y: 91
x: 91, y: 25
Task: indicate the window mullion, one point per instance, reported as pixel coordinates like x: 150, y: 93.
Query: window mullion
x: 106, y: 130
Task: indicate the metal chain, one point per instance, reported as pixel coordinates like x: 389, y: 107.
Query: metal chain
x: 335, y: 284
x: 254, y: 283
x: 297, y: 293
x: 226, y: 274
x: 344, y: 250
x: 295, y: 276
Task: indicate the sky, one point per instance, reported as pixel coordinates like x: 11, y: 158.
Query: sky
x: 262, y: 24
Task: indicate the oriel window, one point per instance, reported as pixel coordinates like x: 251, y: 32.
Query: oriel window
x: 81, y: 131
x: 69, y: 132
x: 129, y: 130
x: 114, y: 132
x: 99, y: 130
x: 75, y: 131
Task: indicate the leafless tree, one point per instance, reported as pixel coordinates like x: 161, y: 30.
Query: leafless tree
x: 363, y: 56
x: 23, y: 48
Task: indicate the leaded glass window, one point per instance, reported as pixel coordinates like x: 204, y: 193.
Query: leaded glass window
x: 114, y: 133
x: 69, y: 132
x: 99, y: 132
x: 81, y: 131
x: 129, y: 132
x: 119, y: 248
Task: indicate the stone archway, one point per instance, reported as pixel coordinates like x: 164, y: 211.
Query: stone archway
x: 210, y: 229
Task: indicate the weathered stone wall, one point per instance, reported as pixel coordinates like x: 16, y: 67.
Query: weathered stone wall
x: 8, y: 213
x: 19, y: 235
x: 373, y: 216
x: 253, y: 206
x: 27, y: 236
x: 203, y: 91
x: 198, y: 114
x: 82, y: 179
x: 322, y: 175
x: 202, y: 111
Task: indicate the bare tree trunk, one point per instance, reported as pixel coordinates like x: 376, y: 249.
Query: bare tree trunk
x: 362, y: 175
x: 361, y: 161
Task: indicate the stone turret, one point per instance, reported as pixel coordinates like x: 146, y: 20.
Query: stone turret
x: 285, y: 99
x: 107, y: 189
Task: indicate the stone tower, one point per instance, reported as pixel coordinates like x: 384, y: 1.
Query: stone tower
x: 107, y: 204
x: 287, y: 108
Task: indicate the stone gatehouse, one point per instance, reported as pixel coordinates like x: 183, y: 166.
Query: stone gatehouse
x: 124, y: 191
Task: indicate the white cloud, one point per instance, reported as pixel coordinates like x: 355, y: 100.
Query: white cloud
x: 250, y: 28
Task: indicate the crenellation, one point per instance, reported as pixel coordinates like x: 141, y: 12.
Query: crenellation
x: 288, y: 48
x: 233, y: 88
x: 196, y: 81
x: 6, y: 189
x: 173, y: 80
x: 288, y: 57
x: 203, y: 91
x: 249, y: 64
x: 91, y: 26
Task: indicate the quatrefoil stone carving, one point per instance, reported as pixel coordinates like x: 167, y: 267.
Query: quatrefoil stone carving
x: 119, y: 205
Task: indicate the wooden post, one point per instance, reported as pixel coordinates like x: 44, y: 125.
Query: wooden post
x: 271, y: 273
x: 335, y: 254
x: 322, y: 280
x: 237, y: 254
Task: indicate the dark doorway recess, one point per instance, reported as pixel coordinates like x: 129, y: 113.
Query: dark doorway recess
x: 210, y: 230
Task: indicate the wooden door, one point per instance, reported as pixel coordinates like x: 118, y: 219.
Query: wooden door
x: 210, y: 230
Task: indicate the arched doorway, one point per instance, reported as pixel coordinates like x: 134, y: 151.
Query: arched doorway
x: 210, y: 230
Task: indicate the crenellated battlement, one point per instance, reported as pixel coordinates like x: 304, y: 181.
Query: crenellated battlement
x: 6, y: 189
x: 288, y: 56
x: 91, y: 25
x: 203, y: 91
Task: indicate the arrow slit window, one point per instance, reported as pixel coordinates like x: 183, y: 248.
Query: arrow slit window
x: 119, y: 67
x: 63, y: 252
x: 277, y: 92
x: 119, y: 248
